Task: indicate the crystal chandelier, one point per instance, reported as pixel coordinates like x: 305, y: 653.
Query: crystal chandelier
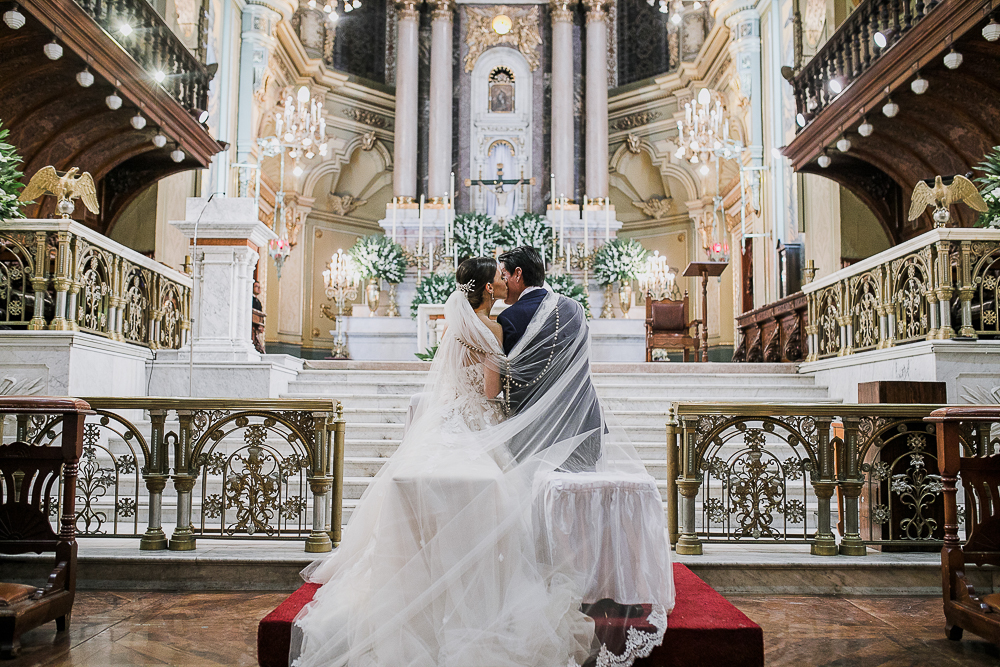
x: 704, y: 131
x: 301, y: 127
x: 658, y: 279
x: 341, y: 281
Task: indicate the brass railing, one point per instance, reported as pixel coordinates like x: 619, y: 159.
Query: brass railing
x: 769, y: 473
x: 914, y: 291
x: 239, y: 468
x: 58, y: 274
x: 852, y: 49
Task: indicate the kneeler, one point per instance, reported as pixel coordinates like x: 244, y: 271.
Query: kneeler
x: 703, y: 629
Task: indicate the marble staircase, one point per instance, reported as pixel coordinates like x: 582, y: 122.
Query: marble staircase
x: 376, y: 397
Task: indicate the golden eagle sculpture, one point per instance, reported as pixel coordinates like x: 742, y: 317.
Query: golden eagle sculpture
x: 942, y: 196
x: 65, y: 187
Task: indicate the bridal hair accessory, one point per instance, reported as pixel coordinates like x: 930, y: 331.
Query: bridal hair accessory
x: 467, y: 288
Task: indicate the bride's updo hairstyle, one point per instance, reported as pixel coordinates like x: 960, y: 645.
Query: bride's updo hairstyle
x: 480, y: 272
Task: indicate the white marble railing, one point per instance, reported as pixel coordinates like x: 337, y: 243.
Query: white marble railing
x: 58, y: 274
x: 911, y: 292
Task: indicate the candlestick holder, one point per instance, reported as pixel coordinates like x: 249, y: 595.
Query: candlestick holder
x: 583, y: 260
x: 392, y: 310
x: 608, y: 310
x: 341, y: 281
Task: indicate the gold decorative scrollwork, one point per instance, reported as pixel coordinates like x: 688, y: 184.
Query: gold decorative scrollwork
x: 524, y: 34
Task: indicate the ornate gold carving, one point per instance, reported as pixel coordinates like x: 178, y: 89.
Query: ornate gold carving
x: 443, y: 10
x: 368, y: 141
x: 633, y: 142
x: 65, y: 188
x: 407, y: 10
x: 524, y: 35
x: 634, y: 120
x: 654, y: 207
x: 343, y: 205
x: 367, y: 117
x: 562, y: 11
x: 596, y: 10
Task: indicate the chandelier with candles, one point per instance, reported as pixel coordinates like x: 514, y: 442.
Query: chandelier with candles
x: 331, y: 9
x: 301, y: 127
x: 703, y: 133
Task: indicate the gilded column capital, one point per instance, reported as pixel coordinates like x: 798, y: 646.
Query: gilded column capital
x: 407, y: 9
x: 596, y: 10
x: 562, y: 10
x: 443, y: 10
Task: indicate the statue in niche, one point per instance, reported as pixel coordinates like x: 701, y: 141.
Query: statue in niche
x: 501, y: 90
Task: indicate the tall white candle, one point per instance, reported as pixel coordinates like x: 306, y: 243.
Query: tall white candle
x: 420, y: 236
x: 395, y: 206
x: 552, y: 189
x: 607, y: 219
x: 430, y: 257
x: 562, y: 218
x: 586, y: 231
x: 585, y: 202
x: 566, y: 254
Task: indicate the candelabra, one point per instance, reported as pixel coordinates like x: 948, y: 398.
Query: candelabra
x: 659, y: 279
x: 582, y: 259
x: 341, y: 281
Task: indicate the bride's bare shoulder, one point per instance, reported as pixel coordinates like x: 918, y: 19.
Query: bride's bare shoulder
x: 495, y: 328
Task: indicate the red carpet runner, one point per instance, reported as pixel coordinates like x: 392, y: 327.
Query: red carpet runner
x: 703, y: 629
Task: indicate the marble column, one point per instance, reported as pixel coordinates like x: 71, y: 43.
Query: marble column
x: 404, y: 151
x: 562, y: 97
x: 597, y: 99
x: 257, y: 42
x: 439, y: 144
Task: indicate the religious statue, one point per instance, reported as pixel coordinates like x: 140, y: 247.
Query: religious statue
x: 65, y: 187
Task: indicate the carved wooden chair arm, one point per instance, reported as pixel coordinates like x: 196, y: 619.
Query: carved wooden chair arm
x: 56, y: 582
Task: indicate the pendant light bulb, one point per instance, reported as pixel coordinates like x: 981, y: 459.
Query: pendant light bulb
x: 920, y: 84
x: 866, y: 128
x: 844, y: 145
x: 953, y: 60
x: 890, y: 109
x: 52, y: 50
x: 177, y: 155
x: 85, y: 78
x: 113, y: 101
x: 138, y: 122
x: 991, y: 32
x: 824, y: 161
x: 13, y: 18
x: 159, y: 140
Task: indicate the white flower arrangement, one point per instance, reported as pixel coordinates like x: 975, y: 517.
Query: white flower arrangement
x: 564, y: 284
x: 434, y: 288
x: 476, y: 235
x: 527, y: 229
x: 378, y: 256
x: 989, y: 188
x: 10, y: 179
x: 619, y: 260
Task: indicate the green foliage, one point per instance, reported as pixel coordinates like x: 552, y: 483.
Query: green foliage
x: 10, y: 179
x: 476, y: 235
x: 428, y: 354
x: 565, y: 285
x: 378, y: 256
x: 989, y: 188
x: 528, y: 229
x: 435, y: 288
x: 619, y: 260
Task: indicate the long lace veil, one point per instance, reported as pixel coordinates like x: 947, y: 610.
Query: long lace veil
x: 444, y: 560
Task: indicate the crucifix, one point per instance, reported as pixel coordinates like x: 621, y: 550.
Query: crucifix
x: 498, y: 191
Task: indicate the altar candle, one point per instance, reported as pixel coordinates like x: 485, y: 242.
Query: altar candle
x: 430, y: 257
x: 420, y: 229
x: 552, y: 189
x: 562, y: 218
x: 585, y: 201
x: 395, y: 206
x: 586, y: 232
x: 566, y: 254
x: 607, y: 219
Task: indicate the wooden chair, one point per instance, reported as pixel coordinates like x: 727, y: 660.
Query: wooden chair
x: 668, y: 327
x: 28, y: 474
x: 963, y: 608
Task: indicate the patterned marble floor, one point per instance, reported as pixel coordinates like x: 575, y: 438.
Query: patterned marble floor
x: 220, y: 629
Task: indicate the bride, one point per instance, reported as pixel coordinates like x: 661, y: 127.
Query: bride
x: 441, y: 563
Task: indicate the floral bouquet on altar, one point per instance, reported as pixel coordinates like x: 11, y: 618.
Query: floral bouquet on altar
x: 10, y: 179
x: 564, y: 284
x: 434, y: 288
x: 619, y: 260
x: 476, y: 235
x: 378, y: 256
x: 528, y: 229
x: 989, y: 187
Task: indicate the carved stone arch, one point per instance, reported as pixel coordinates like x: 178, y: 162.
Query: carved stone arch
x: 665, y: 165
x: 341, y: 157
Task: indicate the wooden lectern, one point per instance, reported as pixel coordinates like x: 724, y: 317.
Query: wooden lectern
x: 706, y: 270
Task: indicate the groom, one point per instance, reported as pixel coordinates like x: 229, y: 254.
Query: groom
x: 549, y: 350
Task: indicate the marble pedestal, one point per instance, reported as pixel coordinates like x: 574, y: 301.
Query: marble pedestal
x: 964, y: 366
x: 381, y: 338
x: 67, y: 363
x: 171, y: 373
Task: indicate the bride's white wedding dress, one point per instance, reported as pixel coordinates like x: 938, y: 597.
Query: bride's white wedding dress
x: 439, y: 565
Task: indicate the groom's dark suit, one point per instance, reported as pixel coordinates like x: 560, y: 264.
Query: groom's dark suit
x: 514, y: 319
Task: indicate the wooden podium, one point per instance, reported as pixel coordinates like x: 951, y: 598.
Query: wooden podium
x: 706, y: 270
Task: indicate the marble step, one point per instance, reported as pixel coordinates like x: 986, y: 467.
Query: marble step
x: 367, y: 466
x: 349, y: 387
x: 697, y: 392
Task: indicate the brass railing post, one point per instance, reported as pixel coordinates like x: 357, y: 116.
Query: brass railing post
x: 688, y: 542
x: 337, y: 517
x: 850, y: 484
x: 672, y: 472
x: 966, y: 290
x: 319, y: 484
x: 74, y: 284
x: 184, y: 480
x: 155, y: 479
x: 824, y: 486
x: 39, y: 281
x: 61, y: 282
x: 944, y: 290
